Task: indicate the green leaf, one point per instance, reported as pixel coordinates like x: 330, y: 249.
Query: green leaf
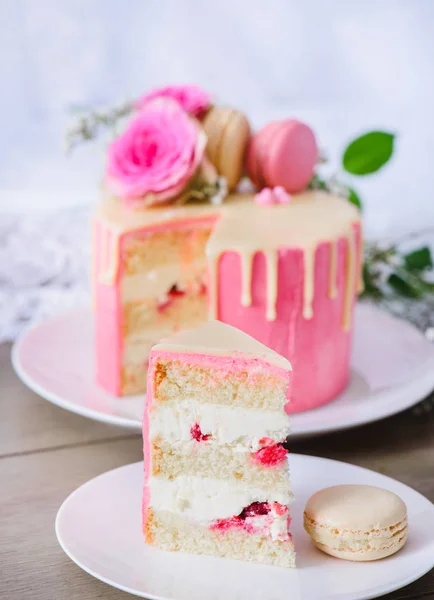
x: 316, y: 183
x: 419, y: 260
x: 354, y: 198
x: 404, y: 287
x: 368, y: 153
x: 371, y: 289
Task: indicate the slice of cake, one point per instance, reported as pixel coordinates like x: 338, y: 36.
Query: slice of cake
x: 216, y: 472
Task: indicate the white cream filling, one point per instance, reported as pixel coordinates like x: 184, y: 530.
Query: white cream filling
x: 242, y: 428
x: 206, y: 499
x: 155, y: 283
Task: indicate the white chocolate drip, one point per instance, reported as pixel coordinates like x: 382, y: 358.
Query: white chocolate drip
x: 309, y: 282
x: 350, y: 280
x: 109, y: 257
x: 312, y: 218
x: 360, y: 283
x: 213, y: 287
x: 333, y: 290
x: 246, y: 278
x: 272, y: 265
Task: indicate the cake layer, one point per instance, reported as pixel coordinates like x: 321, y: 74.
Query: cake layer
x: 221, y: 462
x: 133, y: 379
x: 173, y: 532
x: 168, y: 313
x: 242, y: 428
x: 245, y: 384
x: 174, y: 248
x: 210, y: 499
x: 157, y: 283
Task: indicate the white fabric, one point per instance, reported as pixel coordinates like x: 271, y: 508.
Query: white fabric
x: 44, y: 265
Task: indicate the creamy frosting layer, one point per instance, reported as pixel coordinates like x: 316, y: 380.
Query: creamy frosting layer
x: 207, y: 499
x: 242, y: 428
x: 218, y: 339
x: 157, y: 282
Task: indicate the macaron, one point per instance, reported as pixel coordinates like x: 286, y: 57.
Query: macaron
x: 283, y: 153
x: 228, y: 133
x: 356, y: 522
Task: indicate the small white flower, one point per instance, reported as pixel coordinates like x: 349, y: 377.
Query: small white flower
x: 222, y: 192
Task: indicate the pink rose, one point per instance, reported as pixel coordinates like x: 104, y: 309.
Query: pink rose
x: 191, y: 98
x: 156, y: 156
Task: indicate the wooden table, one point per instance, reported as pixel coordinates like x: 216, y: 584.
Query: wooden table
x: 46, y: 453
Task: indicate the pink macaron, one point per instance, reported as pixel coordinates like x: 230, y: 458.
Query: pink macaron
x: 283, y: 153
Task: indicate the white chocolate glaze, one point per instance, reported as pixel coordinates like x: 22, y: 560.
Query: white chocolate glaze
x: 219, y: 339
x: 243, y: 227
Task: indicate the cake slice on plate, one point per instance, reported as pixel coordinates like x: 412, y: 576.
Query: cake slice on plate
x: 216, y: 472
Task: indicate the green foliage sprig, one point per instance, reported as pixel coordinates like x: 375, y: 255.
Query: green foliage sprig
x: 92, y: 125
x: 388, y: 271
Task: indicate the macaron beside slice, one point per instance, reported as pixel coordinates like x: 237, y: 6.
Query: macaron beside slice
x: 356, y: 522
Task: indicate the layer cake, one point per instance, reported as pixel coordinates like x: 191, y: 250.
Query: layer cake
x: 216, y: 472
x: 287, y: 275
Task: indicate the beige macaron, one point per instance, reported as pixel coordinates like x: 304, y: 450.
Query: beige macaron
x: 356, y: 522
x: 228, y: 133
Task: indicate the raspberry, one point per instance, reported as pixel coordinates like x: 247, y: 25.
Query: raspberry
x: 270, y: 455
x: 197, y: 434
x: 255, y: 509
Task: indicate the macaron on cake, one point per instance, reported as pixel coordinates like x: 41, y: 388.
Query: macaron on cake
x: 228, y: 133
x: 283, y: 153
x: 172, y: 249
x: 356, y: 522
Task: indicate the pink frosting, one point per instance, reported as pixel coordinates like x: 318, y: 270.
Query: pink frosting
x: 192, y: 98
x: 227, y: 366
x: 318, y: 348
x: 157, y: 155
x: 276, y: 195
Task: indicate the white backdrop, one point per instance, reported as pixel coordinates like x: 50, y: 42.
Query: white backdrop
x: 344, y: 66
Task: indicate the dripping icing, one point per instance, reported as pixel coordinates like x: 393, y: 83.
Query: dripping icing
x: 271, y: 262
x: 350, y: 280
x: 212, y: 286
x: 333, y: 290
x: 308, y: 282
x: 311, y: 219
x: 246, y: 279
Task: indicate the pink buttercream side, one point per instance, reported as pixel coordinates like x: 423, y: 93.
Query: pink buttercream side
x: 227, y: 365
x: 145, y: 434
x: 108, y: 306
x: 108, y: 337
x: 319, y: 348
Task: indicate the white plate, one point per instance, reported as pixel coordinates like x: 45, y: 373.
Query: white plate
x: 392, y: 369
x: 99, y: 527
